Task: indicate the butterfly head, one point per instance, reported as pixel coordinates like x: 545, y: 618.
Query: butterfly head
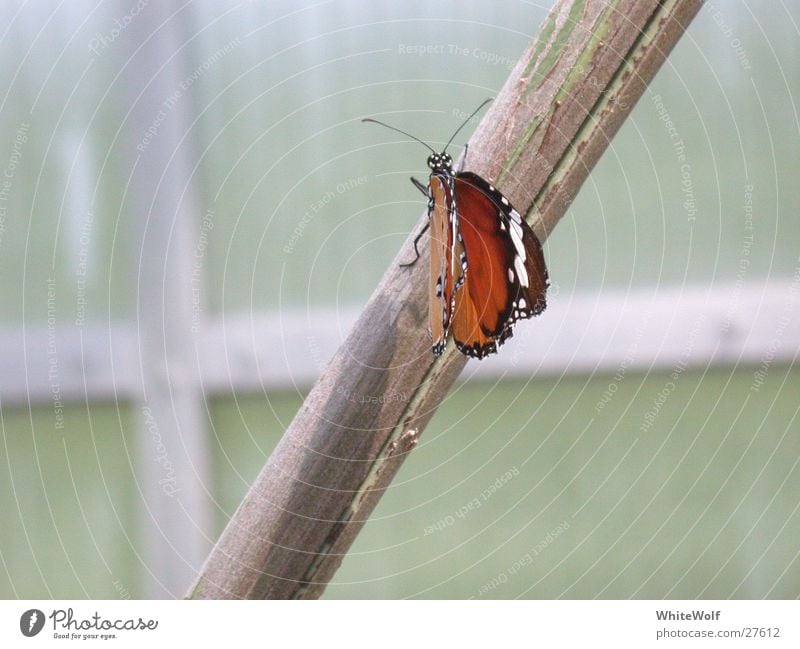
x: 440, y: 162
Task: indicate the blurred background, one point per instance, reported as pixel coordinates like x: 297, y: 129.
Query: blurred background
x: 192, y: 214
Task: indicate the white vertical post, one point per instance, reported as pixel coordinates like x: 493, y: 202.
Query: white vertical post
x: 172, y: 454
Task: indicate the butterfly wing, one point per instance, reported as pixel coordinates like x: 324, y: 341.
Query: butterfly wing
x: 506, y: 276
x: 447, y: 259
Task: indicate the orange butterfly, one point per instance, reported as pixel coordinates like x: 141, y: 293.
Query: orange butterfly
x: 487, y: 265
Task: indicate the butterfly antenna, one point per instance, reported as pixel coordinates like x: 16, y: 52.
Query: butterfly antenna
x: 375, y: 121
x: 466, y: 121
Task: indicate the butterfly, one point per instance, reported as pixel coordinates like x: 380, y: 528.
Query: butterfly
x: 487, y: 268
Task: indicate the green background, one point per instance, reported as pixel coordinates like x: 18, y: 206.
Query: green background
x: 702, y: 504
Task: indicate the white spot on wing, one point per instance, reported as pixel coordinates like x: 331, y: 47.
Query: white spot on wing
x: 519, y: 265
x: 516, y: 238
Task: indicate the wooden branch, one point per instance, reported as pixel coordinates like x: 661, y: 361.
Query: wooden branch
x: 555, y: 115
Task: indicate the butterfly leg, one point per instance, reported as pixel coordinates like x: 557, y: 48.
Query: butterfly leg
x: 416, y: 241
x: 420, y: 187
x: 424, y: 190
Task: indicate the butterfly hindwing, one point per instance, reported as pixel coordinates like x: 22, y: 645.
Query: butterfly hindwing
x: 447, y: 259
x: 438, y: 308
x: 506, y: 276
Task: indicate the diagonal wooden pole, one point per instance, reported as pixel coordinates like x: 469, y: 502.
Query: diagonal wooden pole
x: 556, y: 114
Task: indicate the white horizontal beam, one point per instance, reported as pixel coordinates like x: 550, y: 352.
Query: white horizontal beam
x: 656, y: 329
x: 70, y: 363
x: 638, y: 330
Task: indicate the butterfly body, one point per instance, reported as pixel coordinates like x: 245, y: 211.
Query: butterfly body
x: 487, y: 268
